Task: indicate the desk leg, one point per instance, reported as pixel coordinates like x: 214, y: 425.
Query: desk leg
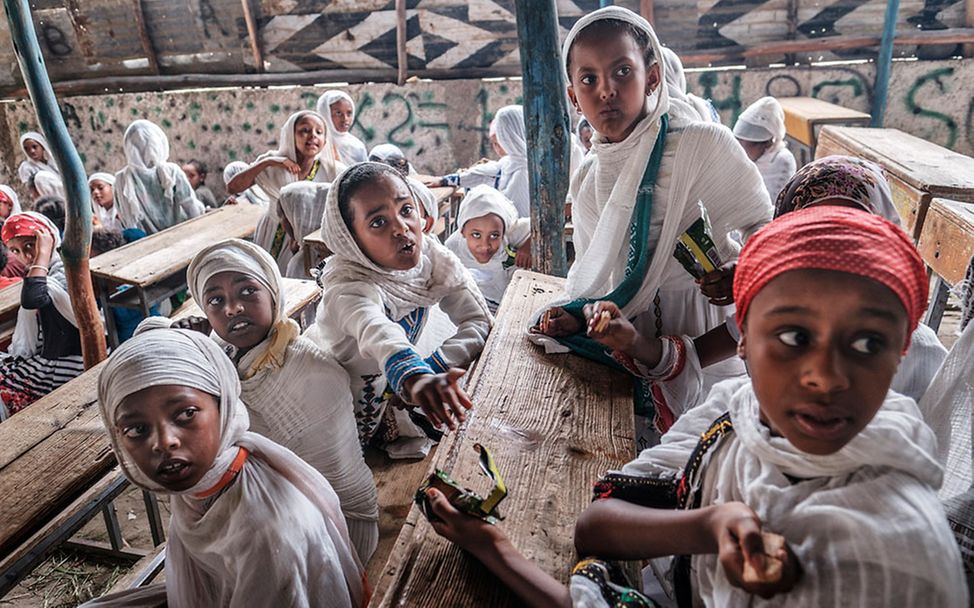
x: 156, y: 527
x: 103, y: 297
x: 111, y: 525
x: 938, y: 304
x: 144, y: 303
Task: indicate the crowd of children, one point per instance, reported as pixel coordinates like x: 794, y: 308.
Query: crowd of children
x: 784, y: 454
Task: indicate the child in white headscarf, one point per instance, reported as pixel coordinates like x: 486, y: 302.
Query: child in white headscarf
x: 302, y: 205
x: 9, y: 202
x: 253, y: 195
x: 252, y: 524
x: 301, y: 155
x: 339, y: 111
x: 483, y: 172
x: 101, y: 186
x: 383, y: 276
x: 296, y: 395
x: 488, y: 238
x: 393, y: 156
x: 46, y: 183
x: 761, y: 131
x: 151, y: 193
x: 513, y: 181
x: 38, y: 154
x: 676, y: 82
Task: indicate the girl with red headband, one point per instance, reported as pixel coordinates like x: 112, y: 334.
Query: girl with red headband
x: 45, y: 351
x: 809, y: 483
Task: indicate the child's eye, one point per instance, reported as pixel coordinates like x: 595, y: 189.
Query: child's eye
x: 135, y: 431
x: 587, y: 79
x: 475, y: 234
x: 247, y: 291
x: 624, y: 70
x: 378, y: 222
x: 494, y: 236
x: 407, y: 210
x: 794, y: 338
x: 215, y: 301
x: 187, y: 414
x: 868, y: 345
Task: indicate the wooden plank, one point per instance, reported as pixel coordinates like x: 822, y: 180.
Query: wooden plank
x: 254, y: 34
x: 158, y: 256
x: 803, y: 114
x: 142, y: 572
x: 554, y: 423
x: 298, y: 294
x: 947, y: 240
x: 10, y: 299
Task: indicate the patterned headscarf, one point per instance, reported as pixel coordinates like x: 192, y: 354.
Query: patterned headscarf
x: 833, y: 238
x: 843, y: 177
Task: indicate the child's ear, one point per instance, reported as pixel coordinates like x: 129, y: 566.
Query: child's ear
x: 652, y: 78
x: 742, y: 347
x: 574, y: 100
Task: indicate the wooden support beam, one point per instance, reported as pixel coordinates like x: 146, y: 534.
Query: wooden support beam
x: 884, y: 63
x: 968, y: 49
x: 647, y: 11
x: 77, y: 229
x: 147, y: 47
x: 402, y: 59
x: 253, y: 34
x: 548, y: 131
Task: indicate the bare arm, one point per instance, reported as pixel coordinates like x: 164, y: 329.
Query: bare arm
x: 248, y: 176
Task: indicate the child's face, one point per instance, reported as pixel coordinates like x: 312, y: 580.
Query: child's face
x: 496, y: 146
x: 822, y: 348
x: 240, y: 309
x: 610, y: 82
x: 5, y: 208
x: 586, y: 136
x: 172, y: 433
x: 754, y: 149
x: 342, y: 115
x: 194, y: 177
x: 309, y: 136
x: 386, y: 223
x: 101, y: 192
x: 34, y: 150
x: 484, y: 236
x: 23, y: 249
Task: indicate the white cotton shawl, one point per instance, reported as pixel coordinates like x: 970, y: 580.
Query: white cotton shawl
x: 342, y: 147
x: 106, y: 217
x: 438, y: 274
x: 14, y: 199
x: 763, y: 120
x: 48, y: 183
x: 30, y: 166
x: 513, y: 182
x: 25, y: 341
x: 695, y: 108
x: 152, y: 193
x: 777, y: 166
x: 276, y: 536
x: 425, y: 197
x: 253, y: 195
x: 864, y: 522
x: 303, y: 204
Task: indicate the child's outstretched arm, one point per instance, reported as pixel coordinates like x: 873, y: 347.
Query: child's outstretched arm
x: 439, y: 396
x: 493, y: 549
x: 246, y: 178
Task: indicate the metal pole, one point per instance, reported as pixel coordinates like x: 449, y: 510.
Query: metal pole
x: 77, y: 230
x: 605, y: 3
x: 547, y: 129
x: 884, y: 63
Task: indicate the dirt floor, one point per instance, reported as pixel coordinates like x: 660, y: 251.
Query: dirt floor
x: 68, y: 578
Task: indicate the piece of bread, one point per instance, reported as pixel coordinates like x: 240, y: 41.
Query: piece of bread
x: 603, y: 323
x: 773, y: 545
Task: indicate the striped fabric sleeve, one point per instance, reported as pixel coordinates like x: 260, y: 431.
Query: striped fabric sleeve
x: 437, y: 363
x: 404, y: 364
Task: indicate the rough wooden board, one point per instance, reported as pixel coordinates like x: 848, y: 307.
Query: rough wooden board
x: 298, y: 294
x: 158, y: 256
x: 802, y: 114
x: 47, y: 478
x: 947, y: 240
x: 10, y: 298
x: 46, y: 416
x: 555, y: 424
x: 130, y: 579
x: 921, y: 164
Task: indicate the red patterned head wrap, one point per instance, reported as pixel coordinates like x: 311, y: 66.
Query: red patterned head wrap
x: 24, y: 224
x: 833, y: 238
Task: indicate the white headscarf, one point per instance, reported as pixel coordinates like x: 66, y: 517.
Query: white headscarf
x: 253, y: 195
x: 272, y: 480
x: 48, y: 183
x: 106, y: 217
x: 30, y: 166
x: 425, y: 197
x: 763, y: 120
x: 483, y: 200
x: 509, y: 123
x: 235, y: 255
x: 152, y: 193
x: 384, y: 152
x: 681, y: 101
x: 343, y: 147
x: 438, y: 273
x: 272, y: 180
x: 14, y: 200
x: 25, y: 342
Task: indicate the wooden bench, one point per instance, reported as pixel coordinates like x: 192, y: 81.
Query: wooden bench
x: 555, y: 424
x: 805, y: 116
x: 9, y: 306
x: 947, y: 246
x: 300, y: 295
x: 917, y: 170
x: 154, y: 267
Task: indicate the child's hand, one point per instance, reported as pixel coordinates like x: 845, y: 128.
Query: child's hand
x: 433, y: 182
x: 43, y: 245
x: 200, y: 324
x: 291, y: 166
x: 439, y: 396
x: 737, y: 530
x: 294, y: 246
x: 606, y: 325
x: 522, y: 259
x: 469, y: 533
x: 718, y: 285
x: 555, y: 322
x: 231, y: 200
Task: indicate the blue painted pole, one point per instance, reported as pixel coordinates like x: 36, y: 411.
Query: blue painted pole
x: 77, y: 229
x: 884, y: 64
x: 548, y: 131
x: 605, y: 3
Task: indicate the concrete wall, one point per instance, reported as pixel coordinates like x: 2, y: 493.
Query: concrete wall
x: 443, y: 125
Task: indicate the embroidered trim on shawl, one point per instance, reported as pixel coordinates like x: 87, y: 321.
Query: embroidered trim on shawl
x: 437, y: 362
x: 405, y: 364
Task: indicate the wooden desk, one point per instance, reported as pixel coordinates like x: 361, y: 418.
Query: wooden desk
x: 555, y: 424
x: 155, y: 266
x: 805, y: 115
x: 10, y: 300
x: 917, y: 170
x: 298, y: 294
x: 947, y: 246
